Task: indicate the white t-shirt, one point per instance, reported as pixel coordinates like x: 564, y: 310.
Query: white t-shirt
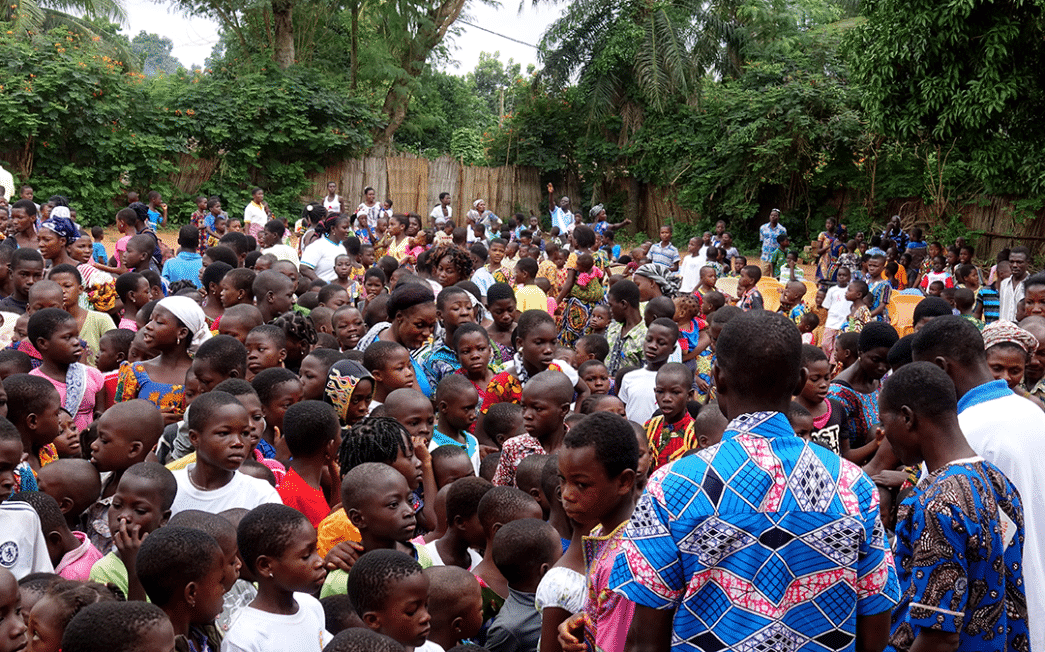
x: 690, y: 270
x: 320, y: 256
x: 483, y: 279
x: 1009, y: 432
x: 282, y: 252
x: 437, y: 212
x: 253, y: 214
x: 23, y: 549
x: 474, y: 557
x: 253, y: 630
x: 637, y: 393
x: 332, y: 205
x: 243, y: 491
x: 838, y: 307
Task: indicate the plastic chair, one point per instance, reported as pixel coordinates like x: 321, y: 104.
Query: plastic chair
x: 811, y: 289
x: 727, y: 286
x: 771, y: 296
x: 901, y: 307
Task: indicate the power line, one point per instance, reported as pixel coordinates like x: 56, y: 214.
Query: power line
x: 488, y: 31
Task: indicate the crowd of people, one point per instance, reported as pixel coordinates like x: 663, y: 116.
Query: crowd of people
x: 380, y: 431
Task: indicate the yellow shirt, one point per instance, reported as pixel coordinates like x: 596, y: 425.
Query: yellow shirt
x: 530, y: 297
x: 334, y: 529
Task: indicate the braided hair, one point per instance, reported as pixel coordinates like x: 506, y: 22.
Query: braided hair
x: 461, y: 259
x: 297, y: 326
x: 315, y: 214
x: 374, y: 439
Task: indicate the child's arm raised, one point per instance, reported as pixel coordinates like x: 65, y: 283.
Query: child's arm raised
x: 427, y: 514
x: 128, y: 541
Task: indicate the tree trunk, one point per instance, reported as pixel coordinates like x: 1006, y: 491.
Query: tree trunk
x: 354, y: 69
x: 283, y: 23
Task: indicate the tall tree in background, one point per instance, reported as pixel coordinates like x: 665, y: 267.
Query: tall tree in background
x: 154, y: 53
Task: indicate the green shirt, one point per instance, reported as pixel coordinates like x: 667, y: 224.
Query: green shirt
x: 778, y: 260
x: 337, y: 580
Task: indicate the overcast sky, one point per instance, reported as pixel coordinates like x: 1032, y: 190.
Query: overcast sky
x: 195, y: 37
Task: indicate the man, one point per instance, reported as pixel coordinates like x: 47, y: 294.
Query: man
x: 443, y: 211
x: 768, y: 234
x: 959, y: 534
x: 1034, y: 376
x: 764, y: 541
x: 7, y: 182
x: 562, y: 215
x: 1011, y: 290
x: 1004, y: 428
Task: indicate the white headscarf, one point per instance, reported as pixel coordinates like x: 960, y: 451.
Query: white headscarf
x: 189, y: 313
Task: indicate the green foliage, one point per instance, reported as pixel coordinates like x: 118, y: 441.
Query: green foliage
x: 154, y: 54
x: 467, y: 146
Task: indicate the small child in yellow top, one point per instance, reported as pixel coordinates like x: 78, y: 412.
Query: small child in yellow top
x: 527, y: 295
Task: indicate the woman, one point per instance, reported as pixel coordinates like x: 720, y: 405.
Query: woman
x: 857, y: 389
x: 1009, y: 348
x: 396, y: 239
x: 600, y: 224
x: 317, y: 261
x: 479, y: 215
x: 655, y: 280
x: 369, y: 209
x: 332, y: 202
x: 830, y: 245
x: 256, y: 214
x: 413, y: 316
x: 580, y: 299
x: 176, y: 329
x: 99, y: 286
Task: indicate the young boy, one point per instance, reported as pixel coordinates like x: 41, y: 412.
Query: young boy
x: 627, y: 334
x: 878, y: 288
x: 838, y: 309
x: 523, y: 551
x: 664, y: 252
x: 278, y: 547
x: 464, y: 533
x: 348, y: 327
x: 791, y: 303
x: 670, y: 434
x: 141, y: 504
x: 71, y: 554
x: 315, y: 368
x: 747, y: 287
x: 527, y: 295
x: 274, y: 293
x: 456, y: 401
x: 33, y: 406
x: 455, y: 603
x: 266, y: 349
x: 450, y: 463
x: 26, y: 268
x: 185, y: 266
x: 81, y: 389
x: 182, y: 571
x: 277, y: 389
x: 502, y: 422
x: 74, y: 484
x: 779, y: 256
x: 497, y: 507
x: 218, y: 429
x: 98, y: 253
x: 596, y: 376
x: 390, y: 594
x: 390, y: 365
x: 637, y: 389
x: 964, y: 503
x: 313, y: 435
x: 239, y: 320
x: 237, y: 287
x: 591, y: 347
x: 119, y: 627
x: 598, y: 464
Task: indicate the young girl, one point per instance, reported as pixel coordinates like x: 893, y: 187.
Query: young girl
x: 133, y: 290
x: 694, y: 339
x: 91, y: 324
x: 266, y: 349
x: 860, y: 313
x: 418, y: 244
x: 81, y: 388
x: 472, y: 345
x: 1008, y: 348
x: 396, y: 241
x: 176, y: 329
x: 301, y: 337
x: 500, y: 299
x: 349, y: 388
x: 50, y: 615
x: 600, y: 320
x: 450, y: 266
x: 830, y: 425
x: 67, y: 443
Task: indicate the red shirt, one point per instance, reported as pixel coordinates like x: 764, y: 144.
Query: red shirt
x: 297, y: 493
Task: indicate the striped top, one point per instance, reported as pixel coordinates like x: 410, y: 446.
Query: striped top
x: 991, y: 301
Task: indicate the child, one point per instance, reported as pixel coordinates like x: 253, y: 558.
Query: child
x: 271, y: 242
x: 237, y: 287
x: 456, y: 401
x: 182, y: 571
x: 838, y: 309
x: 390, y: 365
x: 790, y: 271
x: 691, y: 264
x: 157, y: 209
x: 545, y: 402
x: 878, y: 288
x: 390, y: 594
x: 81, y: 389
x: 238, y: 321
x: 141, y: 504
x: 591, y: 347
x: 830, y: 427
x: 134, y: 293
x: 314, y: 371
x: 266, y: 349
x: 74, y: 484
x: 670, y: 434
x: 376, y: 498
x: 464, y: 533
x: 663, y: 252
x: 33, y: 405
x: 26, y: 268
x: 274, y: 293
x: 523, y: 551
x: 313, y: 436
x: 598, y: 464
x: 637, y: 388
x: 118, y: 627
x: 964, y: 302
x: 801, y: 420
x: 500, y: 299
x: 455, y: 604
x: 596, y: 376
x: 278, y: 547
x: 471, y: 346
x: 527, y: 295
x: 709, y: 426
x: 860, y: 313
x: 498, y: 507
x: 935, y: 289
x: 71, y: 553
x: 747, y: 287
x: 450, y: 463
x: 938, y: 273
x: 187, y: 263
x: 218, y: 428
x: 502, y: 422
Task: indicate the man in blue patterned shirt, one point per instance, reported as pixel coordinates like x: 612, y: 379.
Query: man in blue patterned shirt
x: 959, y: 534
x: 762, y: 542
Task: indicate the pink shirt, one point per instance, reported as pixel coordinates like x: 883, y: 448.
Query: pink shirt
x: 121, y: 246
x: 76, y: 564
x: 609, y: 614
x: 129, y: 324
x: 85, y: 414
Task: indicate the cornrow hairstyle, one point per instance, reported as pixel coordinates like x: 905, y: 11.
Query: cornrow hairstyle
x: 375, y: 576
x: 72, y: 597
x: 173, y: 556
x: 269, y: 530
x: 44, y: 323
x: 296, y: 326
x: 374, y: 439
x: 460, y: 259
x: 267, y: 380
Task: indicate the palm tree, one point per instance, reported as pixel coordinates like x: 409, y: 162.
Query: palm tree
x: 38, y: 16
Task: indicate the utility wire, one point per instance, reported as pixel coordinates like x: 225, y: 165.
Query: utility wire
x: 529, y: 45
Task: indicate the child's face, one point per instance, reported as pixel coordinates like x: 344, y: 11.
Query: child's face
x: 417, y: 417
x: 313, y: 377
x: 496, y: 253
x: 450, y: 469
x: 359, y: 404
x: 25, y: 275
x: 803, y: 425
x: 541, y: 415
x: 46, y: 625
x: 222, y: 442
x: 538, y: 347
x: 597, y: 377
x: 665, y: 234
x: 600, y: 318
x: 12, y: 622
x: 456, y: 311
x: 373, y: 286
x: 10, y: 458
x: 938, y: 264
x: 235, y: 328
x: 459, y: 411
x: 138, y: 502
x: 1034, y: 300
x: 348, y: 326
x: 818, y: 382
x: 234, y: 225
x: 342, y: 267
x: 473, y: 351
x: 1007, y: 363
x: 366, y: 257
x: 337, y: 299
x: 68, y: 440
x: 210, y: 591
x: 63, y: 346
x: 299, y: 568
x: 588, y: 493
x: 230, y: 295
x: 405, y: 616
x: 659, y: 344
x: 263, y: 353
x: 256, y: 414
x: 852, y: 293
x: 216, y: 210
x: 708, y: 277
x: 935, y: 289
x: 844, y: 276
x: 694, y: 245
x: 672, y: 395
x: 283, y: 396
x: 503, y: 313
x: 386, y: 512
x: 397, y: 372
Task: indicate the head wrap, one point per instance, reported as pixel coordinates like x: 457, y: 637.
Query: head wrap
x: 877, y: 334
x: 667, y: 280
x: 595, y: 210
x: 1006, y: 332
x: 62, y: 225
x: 189, y: 313
x: 475, y: 204
x: 342, y: 380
